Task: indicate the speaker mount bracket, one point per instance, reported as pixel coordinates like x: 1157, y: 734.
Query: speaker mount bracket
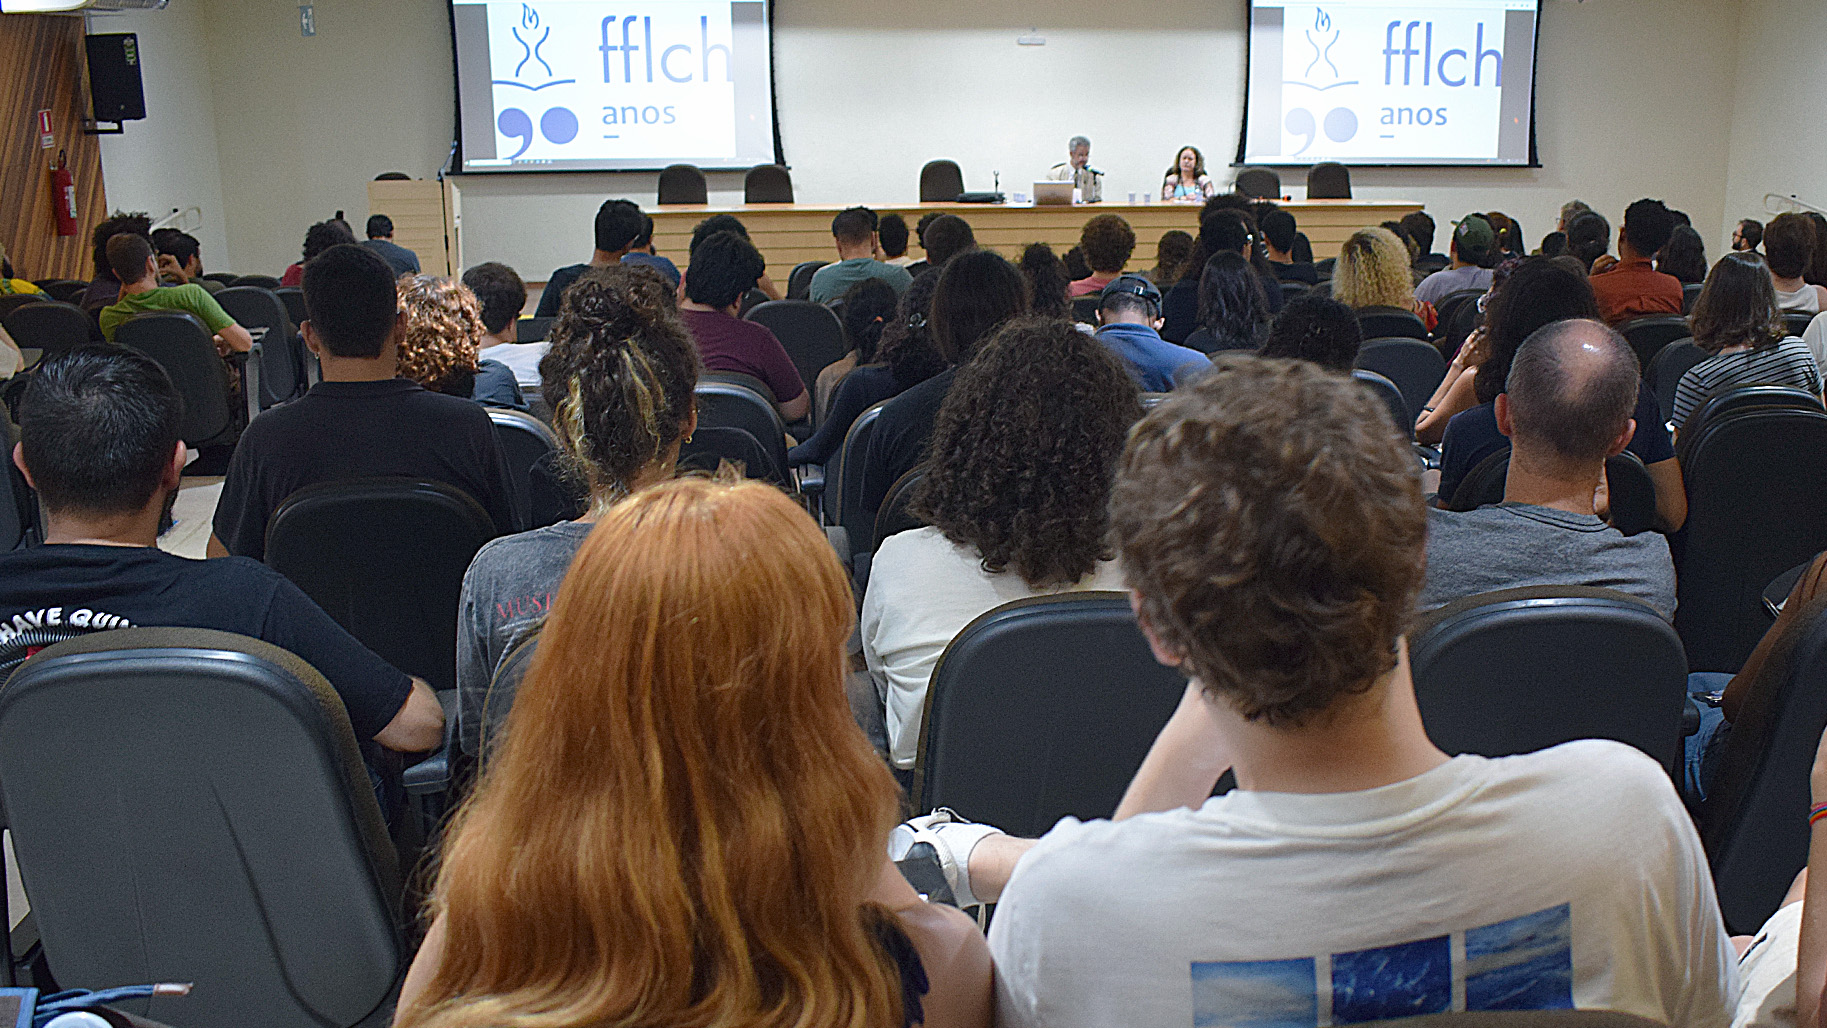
x: 98, y: 128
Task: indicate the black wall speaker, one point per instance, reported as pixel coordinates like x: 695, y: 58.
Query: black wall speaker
x: 114, y: 77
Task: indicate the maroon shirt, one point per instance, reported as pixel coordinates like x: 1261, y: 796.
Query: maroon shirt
x: 731, y: 344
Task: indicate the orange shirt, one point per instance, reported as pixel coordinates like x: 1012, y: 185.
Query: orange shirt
x: 1635, y: 289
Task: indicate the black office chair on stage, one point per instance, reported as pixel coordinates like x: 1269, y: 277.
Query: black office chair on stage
x: 159, y: 844
x: 1040, y: 709
x: 181, y: 344
x: 1520, y: 670
x: 1329, y: 180
x: 767, y: 183
x: 1259, y: 183
x: 683, y: 183
x: 941, y: 182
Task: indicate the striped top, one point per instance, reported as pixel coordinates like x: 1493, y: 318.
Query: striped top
x: 1788, y: 363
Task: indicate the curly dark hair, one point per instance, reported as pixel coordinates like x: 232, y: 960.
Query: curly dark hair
x: 1273, y: 525
x: 1108, y: 242
x: 137, y: 223
x: 619, y: 376
x: 1024, y: 450
x: 1538, y: 292
x: 868, y: 308
x: 325, y: 234
x: 907, y: 346
x: 1315, y: 327
x: 1048, y: 283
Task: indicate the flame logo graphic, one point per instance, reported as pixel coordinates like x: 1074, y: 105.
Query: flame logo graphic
x: 1321, y: 20
x: 529, y: 17
x: 1322, y: 29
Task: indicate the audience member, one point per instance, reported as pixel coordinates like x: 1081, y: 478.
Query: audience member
x: 1186, y: 181
x: 1817, y: 261
x: 1272, y: 530
x: 99, y: 442
x: 1538, y: 293
x: 1554, y: 244
x: 11, y: 286
x: 105, y: 289
x: 1315, y: 327
x: 362, y: 420
x: 1223, y: 228
x: 917, y: 268
x: 891, y: 232
x: 1016, y: 495
x: 947, y: 237
x: 181, y: 260
x: 1737, y: 323
x: 1074, y: 260
x: 854, y: 230
x: 441, y: 344
x: 1508, y: 234
x: 1565, y: 409
x: 724, y: 267
x: 907, y: 357
x: 864, y: 310
x: 503, y: 296
x: 1233, y: 311
x: 1129, y: 319
x: 1569, y: 211
x: 682, y: 802
x: 1049, y: 286
x: 318, y: 238
x: 1107, y: 242
x: 1631, y: 287
x: 975, y: 293
x: 1372, y: 275
x: 1414, y: 250
x: 1278, y: 231
x: 131, y: 258
x: 641, y: 254
x: 1789, y: 247
x: 1748, y: 235
x: 1684, y: 256
x: 1589, y: 238
x: 1173, y: 258
x: 380, y: 240
x: 1420, y: 228
x: 619, y: 380
x: 1473, y: 253
x: 619, y: 224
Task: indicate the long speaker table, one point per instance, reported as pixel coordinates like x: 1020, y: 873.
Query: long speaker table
x: 789, y: 233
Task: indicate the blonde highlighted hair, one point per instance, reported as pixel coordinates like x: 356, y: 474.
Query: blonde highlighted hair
x: 443, y: 339
x: 1373, y: 271
x: 683, y: 819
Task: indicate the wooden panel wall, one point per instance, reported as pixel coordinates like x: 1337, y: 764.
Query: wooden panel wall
x: 41, y: 67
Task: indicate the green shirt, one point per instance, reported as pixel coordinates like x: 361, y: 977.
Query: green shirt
x: 832, y: 281
x: 192, y: 298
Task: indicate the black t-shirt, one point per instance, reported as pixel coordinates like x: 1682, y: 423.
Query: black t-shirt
x: 344, y: 430
x: 57, y: 592
x: 554, y: 292
x: 1299, y: 271
x: 903, y: 431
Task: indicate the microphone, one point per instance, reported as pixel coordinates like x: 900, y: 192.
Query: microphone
x: 996, y: 181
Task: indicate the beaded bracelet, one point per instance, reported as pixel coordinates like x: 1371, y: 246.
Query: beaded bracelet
x: 1816, y: 812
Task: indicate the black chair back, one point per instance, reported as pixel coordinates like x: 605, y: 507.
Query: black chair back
x: 1391, y: 396
x: 48, y: 325
x: 1259, y: 183
x: 259, y: 281
x: 16, y: 509
x: 533, y: 330
x: 1520, y: 670
x: 1391, y: 323
x: 65, y: 290
x: 1323, y: 268
x: 181, y: 344
x: 844, y: 480
x: 1647, y: 336
x: 1451, y: 335
x: 293, y: 298
x: 1796, y: 322
x: 1664, y: 371
x: 1329, y: 180
x: 767, y: 183
x: 264, y: 315
x: 1449, y: 306
x: 1748, y: 397
x: 1689, y: 293
x: 811, y: 333
x: 1085, y: 308
x: 799, y: 280
x: 225, y: 278
x: 1483, y: 485
x: 683, y: 183
x: 1415, y: 367
x: 1631, y: 492
x: 1040, y: 709
x: 894, y: 517
x: 709, y: 447
x: 941, y: 182
x: 157, y: 846
x: 1754, y: 822
x: 1755, y: 476
x: 10, y: 302
x: 385, y: 557
x: 1290, y: 290
x: 525, y: 441
x: 724, y: 404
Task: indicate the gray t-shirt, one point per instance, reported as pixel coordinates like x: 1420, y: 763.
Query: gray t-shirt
x: 508, y: 590
x: 832, y: 281
x: 1512, y: 545
x: 1440, y: 284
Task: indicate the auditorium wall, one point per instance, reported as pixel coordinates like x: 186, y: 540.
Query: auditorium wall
x: 1777, y: 145
x: 1635, y: 98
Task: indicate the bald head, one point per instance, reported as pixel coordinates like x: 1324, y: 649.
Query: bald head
x: 1571, y: 391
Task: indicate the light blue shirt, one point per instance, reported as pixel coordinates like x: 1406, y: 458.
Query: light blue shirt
x: 1157, y: 365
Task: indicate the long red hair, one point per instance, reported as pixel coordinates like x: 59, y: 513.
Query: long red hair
x: 683, y: 818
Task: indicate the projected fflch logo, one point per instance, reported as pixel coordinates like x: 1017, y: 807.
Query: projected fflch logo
x: 558, y: 124
x: 1321, y: 75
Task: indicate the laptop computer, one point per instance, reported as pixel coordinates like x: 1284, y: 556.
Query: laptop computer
x: 1052, y: 194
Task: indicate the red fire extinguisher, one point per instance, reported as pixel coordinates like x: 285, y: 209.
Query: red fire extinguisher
x: 63, y: 195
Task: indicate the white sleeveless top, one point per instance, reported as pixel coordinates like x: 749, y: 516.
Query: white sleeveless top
x: 1806, y: 299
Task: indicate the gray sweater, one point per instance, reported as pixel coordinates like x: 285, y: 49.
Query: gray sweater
x: 1512, y: 545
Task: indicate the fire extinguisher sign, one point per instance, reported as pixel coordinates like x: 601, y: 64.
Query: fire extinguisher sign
x: 46, y: 138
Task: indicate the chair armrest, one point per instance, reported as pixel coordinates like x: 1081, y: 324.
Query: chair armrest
x: 1430, y: 456
x: 249, y: 366
x: 1690, y: 717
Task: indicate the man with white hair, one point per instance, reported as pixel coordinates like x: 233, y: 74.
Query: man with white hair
x: 1077, y: 170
